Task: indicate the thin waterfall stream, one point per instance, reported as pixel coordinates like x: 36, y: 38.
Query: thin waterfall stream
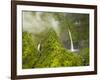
x: 72, y: 45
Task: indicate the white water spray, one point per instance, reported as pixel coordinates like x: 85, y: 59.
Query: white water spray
x: 72, y: 45
x: 39, y: 46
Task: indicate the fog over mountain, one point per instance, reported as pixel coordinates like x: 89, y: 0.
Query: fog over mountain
x: 36, y: 23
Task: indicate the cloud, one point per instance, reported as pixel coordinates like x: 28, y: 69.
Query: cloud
x: 37, y: 22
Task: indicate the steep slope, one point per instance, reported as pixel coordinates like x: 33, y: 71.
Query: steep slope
x: 54, y: 55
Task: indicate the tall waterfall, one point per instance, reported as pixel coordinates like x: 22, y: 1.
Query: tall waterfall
x: 72, y: 45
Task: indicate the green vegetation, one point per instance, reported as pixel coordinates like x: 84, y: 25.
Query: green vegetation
x: 85, y: 56
x: 53, y: 50
x: 29, y: 55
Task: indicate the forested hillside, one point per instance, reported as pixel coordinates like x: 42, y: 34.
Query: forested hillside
x: 55, y: 39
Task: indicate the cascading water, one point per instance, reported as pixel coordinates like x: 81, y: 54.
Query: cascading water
x: 39, y: 46
x: 72, y: 45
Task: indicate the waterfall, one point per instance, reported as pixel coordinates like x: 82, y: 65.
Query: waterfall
x: 38, y: 48
x: 72, y: 49
x: 72, y: 45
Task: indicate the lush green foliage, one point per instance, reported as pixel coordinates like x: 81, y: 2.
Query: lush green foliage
x: 29, y: 56
x: 51, y: 31
x: 52, y: 53
x: 85, y: 56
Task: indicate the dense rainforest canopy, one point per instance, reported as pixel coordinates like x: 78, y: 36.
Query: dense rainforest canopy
x: 55, y: 39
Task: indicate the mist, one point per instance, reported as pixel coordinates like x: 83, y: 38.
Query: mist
x: 37, y: 22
